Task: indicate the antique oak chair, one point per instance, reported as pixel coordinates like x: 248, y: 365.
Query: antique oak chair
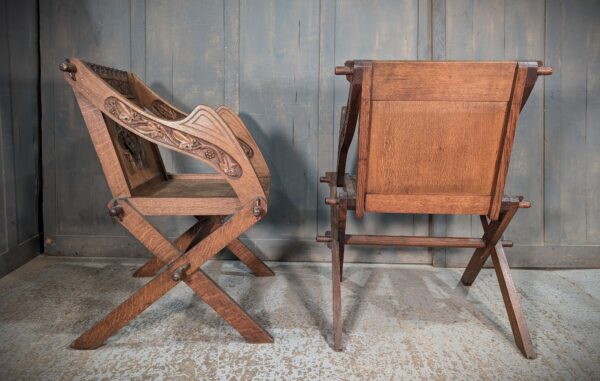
x: 127, y: 122
x: 434, y: 138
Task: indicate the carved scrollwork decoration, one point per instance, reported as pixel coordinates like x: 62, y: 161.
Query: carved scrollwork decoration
x: 166, y: 111
x: 132, y: 145
x: 246, y: 148
x: 171, y: 137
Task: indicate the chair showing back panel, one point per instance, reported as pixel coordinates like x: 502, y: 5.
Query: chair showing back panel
x: 127, y: 122
x: 435, y: 137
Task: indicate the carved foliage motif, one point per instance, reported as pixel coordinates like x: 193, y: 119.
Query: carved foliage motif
x: 165, y: 110
x: 247, y: 149
x: 132, y: 145
x: 169, y: 136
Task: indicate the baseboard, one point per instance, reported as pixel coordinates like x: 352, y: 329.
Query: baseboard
x: 520, y: 256
x: 17, y: 256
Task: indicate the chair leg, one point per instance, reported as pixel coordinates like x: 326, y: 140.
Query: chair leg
x: 237, y: 247
x: 225, y: 306
x: 151, y: 268
x: 517, y: 320
x: 125, y: 312
x: 492, y: 234
x: 182, y: 266
x: 338, y: 231
x: 341, y: 259
x: 244, y: 254
x: 337, y: 295
x: 342, y: 211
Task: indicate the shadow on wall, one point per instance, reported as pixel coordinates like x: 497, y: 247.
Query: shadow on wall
x: 281, y: 156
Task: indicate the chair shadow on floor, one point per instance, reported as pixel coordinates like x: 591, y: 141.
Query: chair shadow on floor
x: 403, y: 295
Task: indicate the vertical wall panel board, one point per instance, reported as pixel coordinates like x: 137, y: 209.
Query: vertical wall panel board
x: 138, y: 37
x: 474, y: 31
x: 438, y: 223
x: 185, y: 59
x: 185, y: 63
x: 279, y: 67
x: 327, y: 155
x: 524, y: 30
x: 23, y: 38
x: 460, y: 36
x: 20, y: 233
x: 422, y: 223
x: 593, y: 127
x: 378, y: 30
x: 8, y: 225
x: 566, y: 101
x: 231, y: 15
x: 552, y: 128
x: 75, y: 190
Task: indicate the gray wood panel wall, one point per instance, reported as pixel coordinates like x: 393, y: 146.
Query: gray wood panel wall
x: 273, y: 62
x: 20, y: 232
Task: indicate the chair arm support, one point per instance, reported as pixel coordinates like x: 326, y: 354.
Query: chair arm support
x: 203, y: 134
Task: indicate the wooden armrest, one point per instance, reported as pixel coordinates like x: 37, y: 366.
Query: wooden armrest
x: 202, y: 134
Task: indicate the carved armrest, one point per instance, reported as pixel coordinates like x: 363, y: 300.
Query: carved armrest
x: 202, y: 134
x: 162, y: 108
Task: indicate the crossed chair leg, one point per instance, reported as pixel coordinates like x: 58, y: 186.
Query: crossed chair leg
x: 336, y: 240
x: 183, y: 265
x: 493, y: 233
x: 183, y: 242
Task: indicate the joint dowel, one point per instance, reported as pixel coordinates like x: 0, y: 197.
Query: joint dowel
x: 323, y: 238
x: 331, y: 201
x: 524, y: 204
x: 67, y: 67
x: 544, y: 70
x: 343, y: 70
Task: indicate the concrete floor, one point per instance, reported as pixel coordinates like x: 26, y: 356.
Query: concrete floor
x: 401, y: 322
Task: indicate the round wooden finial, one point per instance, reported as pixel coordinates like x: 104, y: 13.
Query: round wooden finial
x: 67, y: 67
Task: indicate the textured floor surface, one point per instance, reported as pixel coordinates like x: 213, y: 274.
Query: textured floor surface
x: 401, y: 322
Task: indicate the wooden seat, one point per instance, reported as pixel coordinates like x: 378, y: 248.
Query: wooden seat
x: 189, y: 194
x: 435, y: 137
x: 127, y: 122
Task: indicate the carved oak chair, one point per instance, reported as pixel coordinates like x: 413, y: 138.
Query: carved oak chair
x: 434, y: 138
x: 127, y: 122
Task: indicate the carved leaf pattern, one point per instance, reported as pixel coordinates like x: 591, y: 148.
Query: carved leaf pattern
x: 247, y: 149
x: 166, y: 111
x: 169, y: 136
x: 169, y: 113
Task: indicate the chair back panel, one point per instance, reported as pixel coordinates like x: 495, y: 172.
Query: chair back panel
x: 436, y: 128
x: 139, y: 159
x: 421, y: 147
x: 443, y: 81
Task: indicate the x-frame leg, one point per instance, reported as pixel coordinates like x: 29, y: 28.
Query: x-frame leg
x: 184, y: 267
x: 237, y: 247
x: 153, y: 266
x: 338, y: 232
x: 493, y: 233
